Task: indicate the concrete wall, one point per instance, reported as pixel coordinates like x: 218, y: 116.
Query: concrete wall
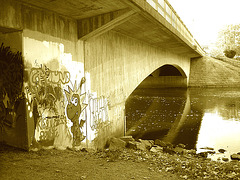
x: 117, y: 64
x: 164, y: 82
x: 19, y: 16
x: 211, y: 72
x: 53, y: 70
x: 12, y: 39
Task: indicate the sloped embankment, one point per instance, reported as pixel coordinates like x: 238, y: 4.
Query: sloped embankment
x: 212, y: 72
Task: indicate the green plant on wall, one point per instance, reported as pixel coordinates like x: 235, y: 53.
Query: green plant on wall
x: 11, y: 83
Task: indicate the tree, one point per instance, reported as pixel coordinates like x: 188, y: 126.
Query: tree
x: 229, y: 40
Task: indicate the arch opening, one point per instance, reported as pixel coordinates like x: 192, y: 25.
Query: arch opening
x: 166, y: 76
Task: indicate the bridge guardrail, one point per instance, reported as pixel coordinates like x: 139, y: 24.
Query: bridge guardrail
x: 164, y: 8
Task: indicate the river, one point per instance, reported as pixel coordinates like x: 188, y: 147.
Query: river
x: 200, y: 118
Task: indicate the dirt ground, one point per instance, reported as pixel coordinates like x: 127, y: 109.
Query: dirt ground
x: 68, y: 164
x: 112, y: 165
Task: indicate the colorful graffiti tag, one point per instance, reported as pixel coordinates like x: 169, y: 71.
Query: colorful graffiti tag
x: 74, y: 109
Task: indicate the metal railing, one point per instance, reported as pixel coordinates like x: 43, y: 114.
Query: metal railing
x: 164, y: 8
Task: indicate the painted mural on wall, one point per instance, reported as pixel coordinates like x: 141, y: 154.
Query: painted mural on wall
x: 74, y: 109
x: 11, y: 84
x: 51, y: 111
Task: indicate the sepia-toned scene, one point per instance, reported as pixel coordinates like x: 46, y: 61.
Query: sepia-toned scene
x: 119, y: 89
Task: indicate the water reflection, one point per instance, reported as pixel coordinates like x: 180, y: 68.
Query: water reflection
x: 196, y: 117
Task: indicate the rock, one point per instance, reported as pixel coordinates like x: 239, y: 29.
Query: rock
x: 168, y: 150
x: 180, y: 150
x: 156, y: 149
x: 208, y: 148
x: 147, y: 144
x: 231, y: 175
x: 136, y: 145
x: 181, y: 145
x: 235, y: 156
x: 203, y: 154
x: 127, y: 138
x: 115, y: 144
x: 222, y: 150
x: 192, y: 151
x: 141, y: 146
x: 160, y: 143
x: 84, y: 150
x: 151, y: 141
x: 225, y: 159
x: 83, y: 177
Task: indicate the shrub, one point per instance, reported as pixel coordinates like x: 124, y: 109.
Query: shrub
x: 230, y: 53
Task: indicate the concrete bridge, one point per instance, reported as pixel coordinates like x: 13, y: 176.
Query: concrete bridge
x: 82, y: 59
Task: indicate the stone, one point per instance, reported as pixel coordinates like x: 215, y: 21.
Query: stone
x: 147, y: 143
x: 136, y: 145
x: 156, y: 149
x: 222, y: 150
x: 203, y: 154
x: 168, y: 150
x: 180, y: 150
x: 127, y: 138
x: 115, y: 144
x: 151, y: 141
x: 141, y: 146
x: 192, y: 151
x: 208, y: 148
x: 181, y: 145
x: 225, y: 159
x: 131, y: 145
x: 235, y: 156
x: 160, y: 143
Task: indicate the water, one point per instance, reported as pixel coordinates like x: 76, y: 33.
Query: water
x: 199, y: 118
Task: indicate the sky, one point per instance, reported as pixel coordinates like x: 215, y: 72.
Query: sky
x: 204, y: 18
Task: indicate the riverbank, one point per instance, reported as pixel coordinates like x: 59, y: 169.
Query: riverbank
x: 115, y: 162
x: 212, y: 72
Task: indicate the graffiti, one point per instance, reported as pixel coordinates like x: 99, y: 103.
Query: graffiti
x: 40, y: 75
x: 98, y: 110
x: 45, y: 87
x: 74, y: 109
x: 11, y: 83
x: 48, y: 125
x: 45, y: 96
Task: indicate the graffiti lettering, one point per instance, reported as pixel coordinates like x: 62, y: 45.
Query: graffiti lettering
x: 98, y: 110
x: 39, y: 76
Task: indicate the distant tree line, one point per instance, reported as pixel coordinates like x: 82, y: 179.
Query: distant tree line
x: 228, y: 42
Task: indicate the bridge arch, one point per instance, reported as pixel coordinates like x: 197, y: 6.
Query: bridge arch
x: 166, y: 76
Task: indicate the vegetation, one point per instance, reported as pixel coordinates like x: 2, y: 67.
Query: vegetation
x: 228, y: 42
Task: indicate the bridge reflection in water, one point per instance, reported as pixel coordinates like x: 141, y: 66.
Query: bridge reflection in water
x: 197, y: 117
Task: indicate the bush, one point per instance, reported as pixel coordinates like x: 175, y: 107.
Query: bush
x: 230, y: 53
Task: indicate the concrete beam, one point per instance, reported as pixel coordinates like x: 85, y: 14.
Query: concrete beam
x: 95, y: 26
